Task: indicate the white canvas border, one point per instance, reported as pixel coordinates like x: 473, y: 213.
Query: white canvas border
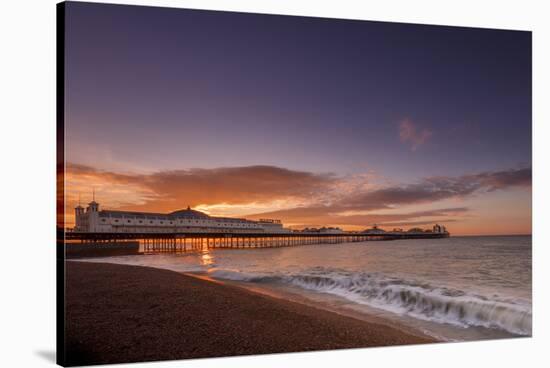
x: 28, y: 180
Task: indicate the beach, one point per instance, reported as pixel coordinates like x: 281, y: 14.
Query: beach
x: 122, y: 313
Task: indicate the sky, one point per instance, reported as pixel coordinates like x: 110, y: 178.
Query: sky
x: 317, y: 122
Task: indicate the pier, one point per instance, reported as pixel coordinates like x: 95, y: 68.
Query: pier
x: 191, y: 230
x: 184, y: 242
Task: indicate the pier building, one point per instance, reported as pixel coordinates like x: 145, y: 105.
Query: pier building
x: 374, y: 230
x: 94, y: 220
x: 440, y: 229
x: 323, y: 230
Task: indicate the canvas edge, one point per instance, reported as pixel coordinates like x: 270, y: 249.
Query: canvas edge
x: 60, y: 184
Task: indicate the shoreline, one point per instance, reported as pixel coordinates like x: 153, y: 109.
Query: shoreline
x: 121, y: 313
x: 305, y: 298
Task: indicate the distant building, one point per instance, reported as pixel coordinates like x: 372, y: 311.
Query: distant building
x: 92, y: 219
x: 439, y: 229
x: 310, y: 230
x: 331, y: 230
x: 374, y: 230
x: 323, y: 230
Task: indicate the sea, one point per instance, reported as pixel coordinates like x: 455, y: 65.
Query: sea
x: 454, y: 289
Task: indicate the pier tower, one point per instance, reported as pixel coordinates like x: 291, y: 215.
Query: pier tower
x: 92, y: 215
x: 78, y: 212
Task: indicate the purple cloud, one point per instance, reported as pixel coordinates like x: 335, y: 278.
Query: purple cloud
x: 410, y: 134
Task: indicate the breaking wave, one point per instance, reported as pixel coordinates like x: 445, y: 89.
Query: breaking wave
x: 418, y: 300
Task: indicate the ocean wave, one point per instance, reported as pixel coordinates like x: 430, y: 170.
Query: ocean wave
x: 418, y: 300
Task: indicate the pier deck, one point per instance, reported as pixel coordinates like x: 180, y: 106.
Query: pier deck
x: 183, y: 242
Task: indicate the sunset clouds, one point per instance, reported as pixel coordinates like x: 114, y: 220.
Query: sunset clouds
x: 165, y: 191
x: 438, y: 188
x: 298, y: 198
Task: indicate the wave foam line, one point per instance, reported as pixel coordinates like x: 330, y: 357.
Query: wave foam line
x: 422, y: 301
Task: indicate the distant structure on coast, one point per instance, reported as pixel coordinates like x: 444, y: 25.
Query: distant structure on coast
x: 436, y: 229
x: 439, y: 229
x: 374, y: 230
x: 92, y: 220
x: 323, y: 230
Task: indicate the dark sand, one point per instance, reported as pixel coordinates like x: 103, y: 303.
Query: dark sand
x: 118, y: 313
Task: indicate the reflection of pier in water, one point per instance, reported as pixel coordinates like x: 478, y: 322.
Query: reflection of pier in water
x: 183, y: 242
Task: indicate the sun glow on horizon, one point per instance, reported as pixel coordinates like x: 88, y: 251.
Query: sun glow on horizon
x: 327, y: 202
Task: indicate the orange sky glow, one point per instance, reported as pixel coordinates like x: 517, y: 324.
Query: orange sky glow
x: 501, y: 204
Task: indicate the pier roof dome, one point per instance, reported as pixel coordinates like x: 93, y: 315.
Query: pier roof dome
x: 189, y: 213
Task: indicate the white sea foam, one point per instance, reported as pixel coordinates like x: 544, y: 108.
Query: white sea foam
x: 418, y: 300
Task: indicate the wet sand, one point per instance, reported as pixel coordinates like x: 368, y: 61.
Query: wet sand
x: 119, y: 313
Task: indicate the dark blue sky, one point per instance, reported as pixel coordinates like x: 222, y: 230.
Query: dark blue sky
x: 182, y: 88
x: 152, y: 89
